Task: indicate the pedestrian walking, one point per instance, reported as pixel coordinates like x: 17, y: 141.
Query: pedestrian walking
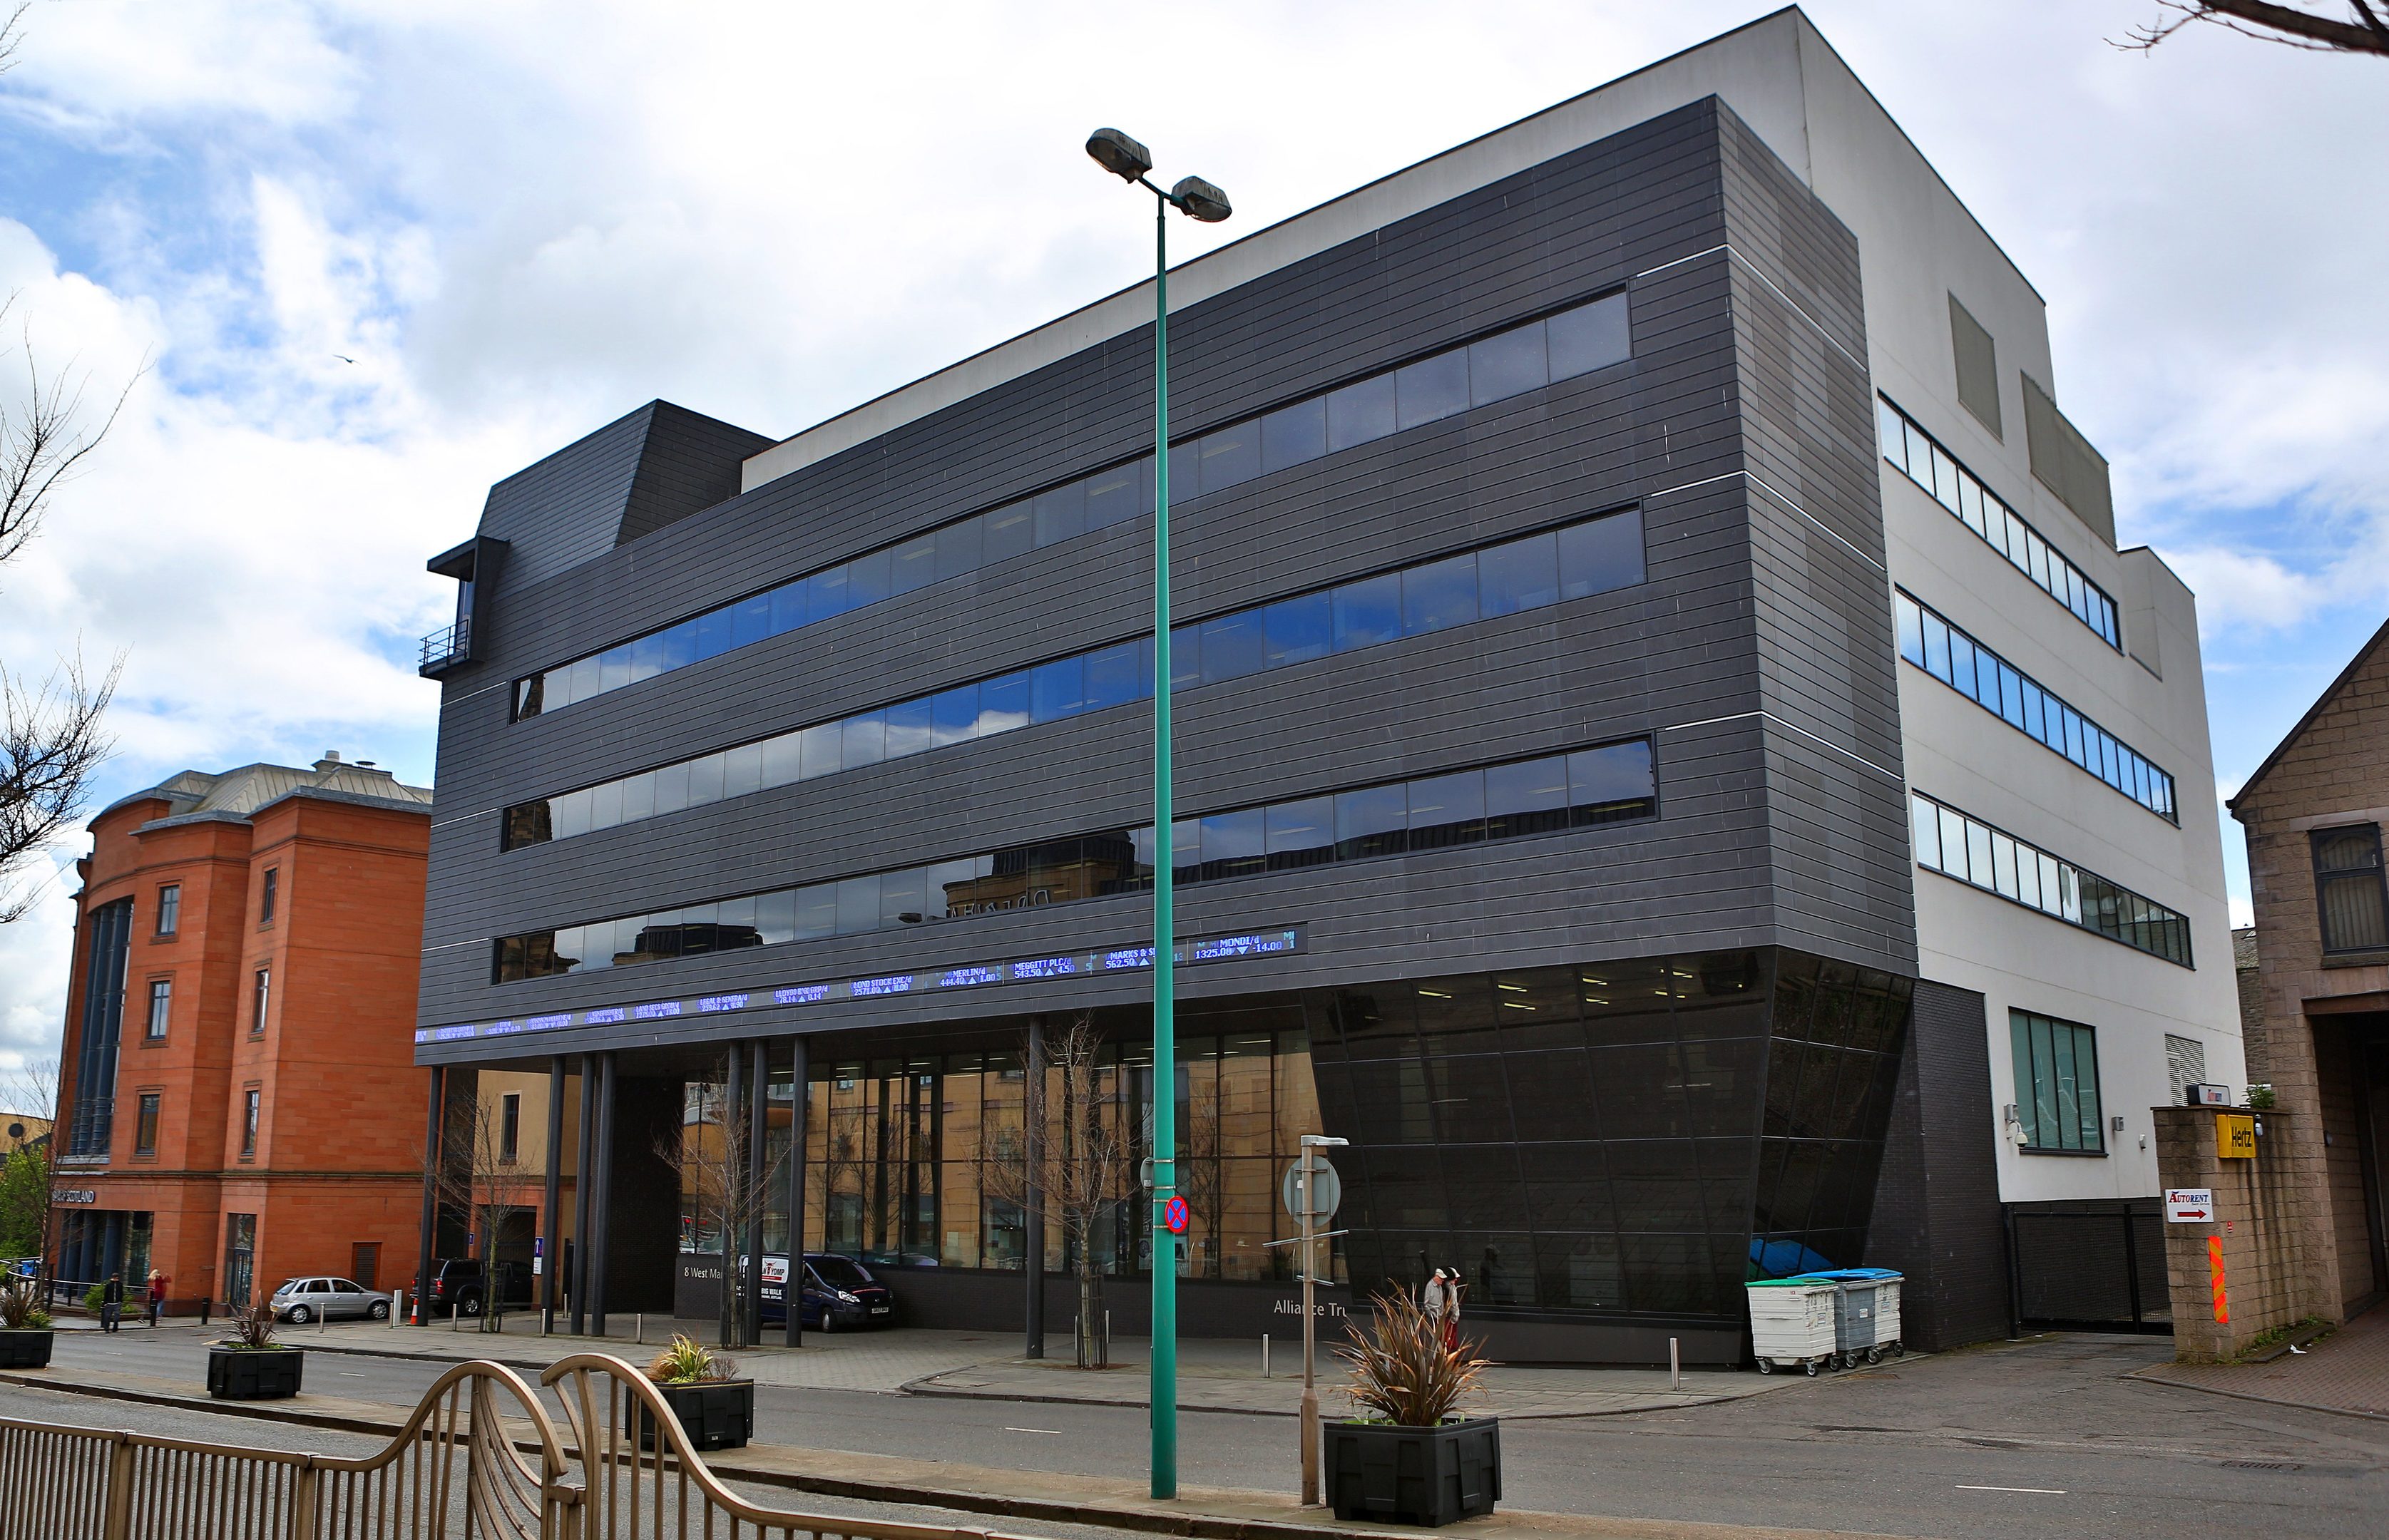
x: 1436, y: 1299
x: 156, y: 1294
x: 1454, y: 1290
x: 112, y: 1303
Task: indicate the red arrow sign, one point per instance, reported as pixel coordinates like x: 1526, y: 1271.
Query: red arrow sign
x: 2191, y: 1212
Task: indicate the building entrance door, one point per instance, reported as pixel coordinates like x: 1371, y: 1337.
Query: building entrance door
x: 364, y: 1263
x: 240, y: 1257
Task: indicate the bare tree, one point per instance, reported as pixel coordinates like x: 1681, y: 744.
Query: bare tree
x: 50, y: 737
x: 1083, y: 1171
x: 50, y: 744
x: 2367, y: 32
x: 477, y: 1175
x: 712, y: 1151
x: 11, y: 34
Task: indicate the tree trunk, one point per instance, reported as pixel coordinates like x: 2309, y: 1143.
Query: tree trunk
x: 1090, y: 1316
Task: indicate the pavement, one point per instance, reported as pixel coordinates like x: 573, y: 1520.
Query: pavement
x: 1214, y: 1375
x: 1100, y: 1502
x: 2056, y: 1434
x: 2346, y: 1372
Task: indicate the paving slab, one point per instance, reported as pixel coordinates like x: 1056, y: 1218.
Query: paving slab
x: 2346, y: 1372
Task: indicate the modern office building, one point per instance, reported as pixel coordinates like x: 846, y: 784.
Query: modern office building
x: 1672, y: 764
x: 235, y: 1102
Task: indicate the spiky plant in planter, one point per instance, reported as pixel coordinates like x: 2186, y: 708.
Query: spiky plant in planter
x: 687, y: 1361
x: 252, y: 1326
x: 25, y: 1336
x: 1403, y: 1371
x: 20, y: 1307
x: 716, y: 1409
x: 250, y: 1365
x: 1413, y: 1461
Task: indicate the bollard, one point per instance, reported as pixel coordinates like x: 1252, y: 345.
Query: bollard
x: 1675, y: 1366
x: 639, y: 1328
x: 1265, y: 1363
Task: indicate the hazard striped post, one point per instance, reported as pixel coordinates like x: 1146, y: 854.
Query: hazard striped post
x: 2215, y: 1276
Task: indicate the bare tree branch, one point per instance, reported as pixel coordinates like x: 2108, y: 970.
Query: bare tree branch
x: 1084, y: 1172
x: 41, y: 443
x: 711, y: 1150
x: 2287, y: 25
x: 50, y: 744
x: 476, y: 1175
x: 11, y: 34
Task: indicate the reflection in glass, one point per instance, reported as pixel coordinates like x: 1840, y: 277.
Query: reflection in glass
x: 1498, y: 580
x: 1524, y: 358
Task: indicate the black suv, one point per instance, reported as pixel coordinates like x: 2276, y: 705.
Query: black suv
x: 459, y: 1284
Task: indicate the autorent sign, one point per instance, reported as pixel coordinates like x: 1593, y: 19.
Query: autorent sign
x: 2190, y: 1206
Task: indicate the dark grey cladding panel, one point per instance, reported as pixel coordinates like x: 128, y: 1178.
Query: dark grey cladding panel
x: 636, y: 473
x: 1562, y: 453
x: 1723, y: 629
x: 1821, y: 596
x: 691, y: 461
x: 1936, y: 1207
x: 1563, y: 230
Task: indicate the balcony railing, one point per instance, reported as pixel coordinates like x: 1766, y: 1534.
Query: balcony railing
x: 451, y: 644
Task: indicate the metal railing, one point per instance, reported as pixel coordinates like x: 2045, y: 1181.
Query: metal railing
x: 478, y: 1458
x: 447, y: 645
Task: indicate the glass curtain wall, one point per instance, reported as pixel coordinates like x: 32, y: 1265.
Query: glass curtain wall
x: 1632, y: 1138
x: 916, y: 1160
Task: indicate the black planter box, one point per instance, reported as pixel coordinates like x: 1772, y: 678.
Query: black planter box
x: 1392, y: 1474
x: 245, y: 1374
x: 26, y: 1349
x: 715, y: 1414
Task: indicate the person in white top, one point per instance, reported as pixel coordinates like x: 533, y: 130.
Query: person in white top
x: 1440, y: 1299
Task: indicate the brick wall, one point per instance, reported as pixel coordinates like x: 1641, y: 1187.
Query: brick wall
x: 2268, y: 1214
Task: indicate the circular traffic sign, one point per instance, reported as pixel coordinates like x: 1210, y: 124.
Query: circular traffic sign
x: 1173, y: 1215
x: 1327, y: 1189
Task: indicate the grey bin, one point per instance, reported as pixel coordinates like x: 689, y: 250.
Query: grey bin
x: 1866, y: 1314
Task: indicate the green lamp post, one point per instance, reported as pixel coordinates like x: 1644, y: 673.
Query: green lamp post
x: 1124, y: 157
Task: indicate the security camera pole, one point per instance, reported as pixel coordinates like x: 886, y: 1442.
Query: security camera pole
x: 1124, y: 157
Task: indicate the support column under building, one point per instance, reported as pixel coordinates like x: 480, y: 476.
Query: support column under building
x: 792, y: 1290
x: 577, y: 1288
x: 759, y: 1141
x: 602, y: 1198
x: 428, y: 1227
x: 1032, y: 1261
x: 551, y: 1257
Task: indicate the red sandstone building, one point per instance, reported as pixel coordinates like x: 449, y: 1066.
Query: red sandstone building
x: 238, y: 1101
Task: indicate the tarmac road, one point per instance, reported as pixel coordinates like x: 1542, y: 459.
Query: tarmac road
x: 2040, y: 1438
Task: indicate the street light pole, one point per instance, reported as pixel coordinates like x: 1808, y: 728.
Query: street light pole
x: 1130, y: 160
x: 1307, y: 1184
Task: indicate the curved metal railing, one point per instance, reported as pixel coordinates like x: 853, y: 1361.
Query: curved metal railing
x: 478, y: 1458
x: 457, y: 1466
x: 666, y: 1491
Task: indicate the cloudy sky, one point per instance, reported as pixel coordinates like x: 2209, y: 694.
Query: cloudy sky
x: 520, y: 220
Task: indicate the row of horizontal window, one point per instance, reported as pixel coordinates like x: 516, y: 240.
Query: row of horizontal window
x: 1924, y: 462
x: 1939, y: 648
x: 1958, y: 845
x: 1507, y: 364
x: 1604, y: 784
x: 1593, y: 556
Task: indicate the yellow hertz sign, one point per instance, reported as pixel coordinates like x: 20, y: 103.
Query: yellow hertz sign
x: 2235, y: 1136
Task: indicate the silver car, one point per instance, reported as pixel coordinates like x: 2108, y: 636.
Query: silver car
x: 301, y: 1300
